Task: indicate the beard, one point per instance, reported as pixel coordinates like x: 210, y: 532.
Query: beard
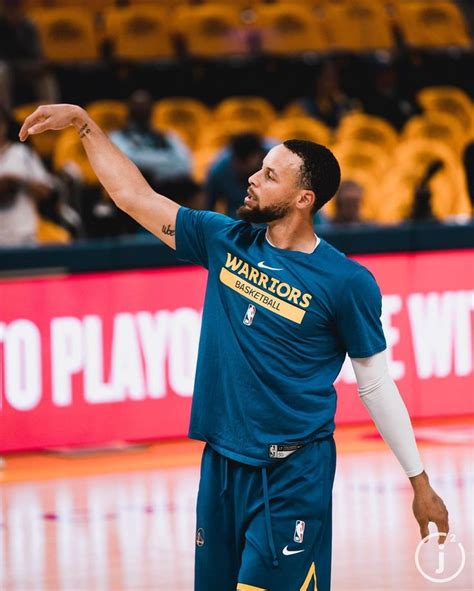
x: 262, y: 215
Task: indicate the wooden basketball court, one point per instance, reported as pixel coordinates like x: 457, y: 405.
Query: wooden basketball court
x: 124, y: 518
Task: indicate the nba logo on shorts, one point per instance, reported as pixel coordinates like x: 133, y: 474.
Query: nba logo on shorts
x: 248, y: 318
x: 299, y: 532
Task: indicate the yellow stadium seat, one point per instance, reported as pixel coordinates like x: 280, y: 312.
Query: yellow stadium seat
x: 436, y: 125
x: 202, y: 161
x: 186, y: 116
x: 92, y: 5
x: 410, y: 161
x: 211, y: 30
x: 398, y: 189
x: 217, y: 134
x: 43, y: 143
x: 438, y: 23
x: 417, y: 153
x: 294, y: 109
x: 357, y: 26
x: 108, y: 114
x: 365, y: 164
x: 357, y: 154
x: 257, y: 111
x: 367, y: 128
x: 448, y: 99
x: 48, y: 232
x: 289, y: 28
x: 67, y: 34
x: 300, y: 128
x: 139, y: 32
x: 168, y: 4
x: 370, y: 184
x: 70, y: 155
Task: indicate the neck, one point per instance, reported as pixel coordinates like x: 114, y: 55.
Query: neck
x: 292, y: 235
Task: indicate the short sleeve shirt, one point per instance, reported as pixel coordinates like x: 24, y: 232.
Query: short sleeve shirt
x: 276, y: 327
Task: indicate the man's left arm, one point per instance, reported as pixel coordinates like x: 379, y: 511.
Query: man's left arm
x: 382, y: 399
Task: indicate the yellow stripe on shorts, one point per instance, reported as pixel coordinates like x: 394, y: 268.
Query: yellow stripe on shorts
x: 310, y: 577
x: 242, y: 587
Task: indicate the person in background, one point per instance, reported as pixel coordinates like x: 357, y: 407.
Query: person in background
x: 23, y: 181
x: 468, y: 161
x: 348, y: 201
x: 385, y: 97
x: 227, y: 181
x: 22, y: 65
x: 161, y: 157
x: 328, y: 103
x: 422, y: 207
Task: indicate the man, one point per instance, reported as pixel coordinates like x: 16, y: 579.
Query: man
x: 22, y: 64
x: 227, y: 179
x: 468, y: 162
x: 282, y: 309
x: 161, y: 157
x: 24, y: 183
x: 348, y: 201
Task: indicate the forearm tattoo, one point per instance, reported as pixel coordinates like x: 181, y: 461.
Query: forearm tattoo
x: 84, y: 130
x: 168, y: 230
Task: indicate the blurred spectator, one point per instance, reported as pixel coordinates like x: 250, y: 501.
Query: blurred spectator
x: 385, y: 98
x: 161, y: 157
x: 22, y: 67
x: 23, y: 181
x: 422, y: 208
x: 329, y: 103
x: 227, y: 182
x: 468, y: 161
x: 347, y: 203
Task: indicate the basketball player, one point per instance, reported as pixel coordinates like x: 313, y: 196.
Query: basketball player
x: 282, y: 309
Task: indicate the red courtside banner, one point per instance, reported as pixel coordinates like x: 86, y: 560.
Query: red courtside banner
x: 91, y: 358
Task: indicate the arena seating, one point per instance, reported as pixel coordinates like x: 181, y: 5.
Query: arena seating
x: 139, y: 32
x: 386, y: 163
x: 67, y: 34
x: 75, y: 31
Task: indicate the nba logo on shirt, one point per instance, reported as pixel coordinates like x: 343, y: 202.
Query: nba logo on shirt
x: 299, y: 532
x: 248, y: 318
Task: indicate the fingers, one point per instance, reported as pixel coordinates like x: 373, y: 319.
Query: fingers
x: 34, y: 123
x: 443, y: 528
x: 38, y: 128
x: 424, y: 530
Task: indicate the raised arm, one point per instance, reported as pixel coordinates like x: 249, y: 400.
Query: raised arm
x: 119, y: 176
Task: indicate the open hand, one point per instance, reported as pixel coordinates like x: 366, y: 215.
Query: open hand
x: 50, y: 117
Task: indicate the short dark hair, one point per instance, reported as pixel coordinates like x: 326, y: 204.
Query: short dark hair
x: 320, y: 171
x: 243, y: 145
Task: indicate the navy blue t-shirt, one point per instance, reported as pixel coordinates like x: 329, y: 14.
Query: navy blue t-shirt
x: 276, y: 327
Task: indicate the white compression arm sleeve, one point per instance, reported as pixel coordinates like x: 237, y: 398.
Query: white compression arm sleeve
x: 381, y: 397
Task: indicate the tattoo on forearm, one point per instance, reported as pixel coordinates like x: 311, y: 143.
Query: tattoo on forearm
x: 168, y: 230
x: 84, y: 130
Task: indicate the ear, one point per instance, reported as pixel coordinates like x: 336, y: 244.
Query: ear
x: 306, y: 199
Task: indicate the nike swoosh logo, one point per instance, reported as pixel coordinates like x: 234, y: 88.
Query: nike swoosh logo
x: 287, y: 552
x: 262, y: 265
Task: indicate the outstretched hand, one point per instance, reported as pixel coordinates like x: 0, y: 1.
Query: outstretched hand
x: 50, y: 117
x: 428, y: 506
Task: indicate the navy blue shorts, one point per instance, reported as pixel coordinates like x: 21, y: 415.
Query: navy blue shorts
x: 266, y: 529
